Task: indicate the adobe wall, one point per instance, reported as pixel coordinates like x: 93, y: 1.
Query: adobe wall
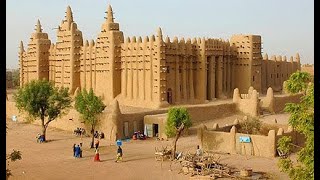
x: 281, y: 100
x: 248, y: 103
x: 159, y: 119
x: 228, y: 142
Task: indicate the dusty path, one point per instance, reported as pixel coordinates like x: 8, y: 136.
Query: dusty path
x: 54, y: 160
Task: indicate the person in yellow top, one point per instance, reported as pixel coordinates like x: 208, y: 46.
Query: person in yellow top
x: 119, y: 154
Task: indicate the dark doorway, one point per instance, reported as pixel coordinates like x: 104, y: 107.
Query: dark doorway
x: 155, y: 130
x: 169, y: 96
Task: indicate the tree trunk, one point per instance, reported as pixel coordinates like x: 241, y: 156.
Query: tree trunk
x: 44, y: 129
x: 175, y: 146
x: 178, y: 133
x: 92, y: 141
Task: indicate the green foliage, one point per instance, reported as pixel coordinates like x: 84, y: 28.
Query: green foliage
x: 89, y: 106
x: 302, y: 120
x: 41, y: 99
x: 250, y: 126
x: 298, y: 82
x: 284, y: 144
x: 176, y: 117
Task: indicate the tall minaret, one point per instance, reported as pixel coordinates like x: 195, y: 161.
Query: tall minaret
x: 108, y: 58
x: 69, y: 43
x: 21, y: 59
x: 298, y: 61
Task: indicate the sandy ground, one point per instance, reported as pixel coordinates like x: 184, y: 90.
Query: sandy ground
x: 54, y: 160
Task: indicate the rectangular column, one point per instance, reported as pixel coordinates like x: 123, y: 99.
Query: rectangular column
x: 177, y: 80
x: 191, y: 90
x: 213, y: 77
x: 184, y: 80
x: 219, y: 77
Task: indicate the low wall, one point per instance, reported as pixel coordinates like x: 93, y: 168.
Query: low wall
x: 229, y: 142
x: 280, y: 101
x: 113, y: 124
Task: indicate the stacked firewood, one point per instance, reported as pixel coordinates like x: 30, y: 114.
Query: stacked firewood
x: 162, y: 153
x: 206, y: 165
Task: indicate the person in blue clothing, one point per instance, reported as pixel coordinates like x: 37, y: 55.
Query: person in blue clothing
x: 77, y: 153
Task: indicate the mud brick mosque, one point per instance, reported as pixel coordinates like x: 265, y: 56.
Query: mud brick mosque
x: 152, y: 71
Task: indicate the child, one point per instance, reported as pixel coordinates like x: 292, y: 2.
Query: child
x: 119, y: 154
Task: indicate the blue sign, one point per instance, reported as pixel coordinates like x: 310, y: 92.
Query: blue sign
x: 245, y: 139
x: 119, y: 143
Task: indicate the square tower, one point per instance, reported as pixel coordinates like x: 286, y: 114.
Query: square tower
x: 248, y: 63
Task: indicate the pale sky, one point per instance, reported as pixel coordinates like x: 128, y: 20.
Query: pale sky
x: 286, y: 26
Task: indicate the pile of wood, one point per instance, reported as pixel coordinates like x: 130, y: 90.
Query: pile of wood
x: 206, y: 165
x: 162, y: 153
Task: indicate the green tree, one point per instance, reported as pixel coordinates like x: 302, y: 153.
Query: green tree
x: 302, y: 120
x: 177, y: 121
x: 40, y: 99
x: 89, y: 106
x: 298, y: 82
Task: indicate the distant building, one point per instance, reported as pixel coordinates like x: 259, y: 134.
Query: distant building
x: 152, y: 71
x: 309, y: 68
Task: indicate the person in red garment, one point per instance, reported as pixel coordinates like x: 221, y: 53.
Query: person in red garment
x: 97, y: 156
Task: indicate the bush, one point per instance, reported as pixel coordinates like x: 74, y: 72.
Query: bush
x: 250, y: 126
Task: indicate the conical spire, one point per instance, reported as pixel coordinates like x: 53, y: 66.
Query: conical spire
x: 298, y: 57
x: 38, y: 27
x: 159, y: 33
x: 109, y: 14
x: 69, y: 16
x: 21, y: 47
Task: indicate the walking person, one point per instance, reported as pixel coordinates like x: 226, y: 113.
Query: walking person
x: 81, y: 150
x: 96, y: 156
x: 74, y: 150
x: 96, y: 144
x: 119, y: 154
x: 77, y: 152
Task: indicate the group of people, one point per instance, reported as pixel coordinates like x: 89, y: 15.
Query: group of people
x: 77, y: 150
x: 79, y: 131
x: 40, y: 138
x: 98, y: 135
x: 138, y: 135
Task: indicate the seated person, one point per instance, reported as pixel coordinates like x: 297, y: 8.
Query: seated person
x: 101, y: 135
x: 41, y: 138
x: 199, y: 151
